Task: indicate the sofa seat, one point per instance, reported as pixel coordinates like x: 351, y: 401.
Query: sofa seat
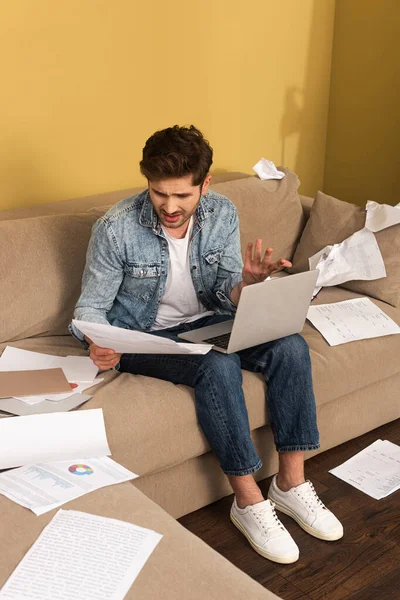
x: 151, y: 424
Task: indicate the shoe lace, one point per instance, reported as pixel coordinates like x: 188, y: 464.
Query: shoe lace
x: 311, y: 498
x: 267, y: 517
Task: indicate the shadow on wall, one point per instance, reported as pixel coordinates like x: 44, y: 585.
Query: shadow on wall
x: 292, y: 117
x: 303, y: 127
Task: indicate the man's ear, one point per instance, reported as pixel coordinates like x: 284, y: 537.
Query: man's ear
x: 206, y: 184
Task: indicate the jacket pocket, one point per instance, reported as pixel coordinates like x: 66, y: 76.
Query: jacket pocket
x: 141, y: 280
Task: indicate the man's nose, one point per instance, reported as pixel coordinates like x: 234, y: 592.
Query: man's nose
x: 170, y: 206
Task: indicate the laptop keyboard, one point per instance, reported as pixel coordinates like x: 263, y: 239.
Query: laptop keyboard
x: 220, y: 340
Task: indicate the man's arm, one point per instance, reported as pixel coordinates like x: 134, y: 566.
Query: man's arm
x: 101, y: 279
x: 230, y: 267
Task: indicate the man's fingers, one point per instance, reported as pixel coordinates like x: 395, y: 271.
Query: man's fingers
x: 103, y: 351
x: 248, y: 256
x: 267, y: 255
x: 105, y: 365
x: 257, y: 251
x: 278, y: 266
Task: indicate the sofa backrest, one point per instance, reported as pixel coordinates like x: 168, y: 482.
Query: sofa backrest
x: 43, y: 248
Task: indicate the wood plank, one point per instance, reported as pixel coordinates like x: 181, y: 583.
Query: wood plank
x: 282, y: 588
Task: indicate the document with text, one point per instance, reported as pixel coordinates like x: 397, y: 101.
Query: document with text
x: 351, y: 320
x: 46, y: 486
x: 82, y: 556
x: 374, y: 471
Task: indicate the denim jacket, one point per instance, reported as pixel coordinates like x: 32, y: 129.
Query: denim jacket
x: 127, y: 262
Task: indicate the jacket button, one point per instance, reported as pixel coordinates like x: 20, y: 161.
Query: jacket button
x: 201, y: 291
x: 194, y: 268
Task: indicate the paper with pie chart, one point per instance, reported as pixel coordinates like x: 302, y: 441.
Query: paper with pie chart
x: 43, y: 487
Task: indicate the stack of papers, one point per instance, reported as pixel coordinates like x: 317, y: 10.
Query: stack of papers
x: 375, y: 470
x: 351, y: 320
x: 65, y: 439
x: 80, y: 372
x: 83, y: 556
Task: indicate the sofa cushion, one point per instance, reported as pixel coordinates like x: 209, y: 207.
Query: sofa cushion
x: 41, y: 265
x: 270, y: 210
x: 331, y: 222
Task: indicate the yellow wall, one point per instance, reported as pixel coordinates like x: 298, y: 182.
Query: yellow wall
x: 362, y: 154
x: 85, y: 82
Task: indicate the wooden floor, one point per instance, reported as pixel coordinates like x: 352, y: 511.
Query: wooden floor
x: 364, y: 565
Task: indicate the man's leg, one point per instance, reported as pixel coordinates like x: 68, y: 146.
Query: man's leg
x: 220, y: 405
x: 286, y: 367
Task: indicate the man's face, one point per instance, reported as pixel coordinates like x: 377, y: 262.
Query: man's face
x: 175, y: 200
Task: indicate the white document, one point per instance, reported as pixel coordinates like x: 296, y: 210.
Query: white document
x: 375, y: 470
x: 381, y: 216
x: 75, y: 368
x: 46, y: 486
x: 82, y: 556
x: 52, y: 436
x: 358, y: 257
x: 351, y: 320
x: 136, y: 342
x: 78, y: 389
x: 266, y: 169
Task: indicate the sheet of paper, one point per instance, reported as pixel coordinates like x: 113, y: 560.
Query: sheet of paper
x: 49, y: 437
x: 77, y: 389
x: 375, y: 470
x: 79, y: 555
x: 358, y: 257
x: 266, y: 169
x: 136, y: 342
x: 75, y: 368
x: 46, y: 486
x: 16, y: 407
x: 29, y: 383
x: 350, y: 320
x: 381, y: 216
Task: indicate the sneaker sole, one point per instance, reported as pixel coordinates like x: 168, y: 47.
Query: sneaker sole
x: 327, y: 537
x: 278, y: 559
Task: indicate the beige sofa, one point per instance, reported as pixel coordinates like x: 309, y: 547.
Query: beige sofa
x: 151, y: 424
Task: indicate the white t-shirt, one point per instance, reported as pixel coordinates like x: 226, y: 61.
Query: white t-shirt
x: 179, y: 303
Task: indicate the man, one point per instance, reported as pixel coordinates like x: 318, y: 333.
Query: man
x: 167, y: 261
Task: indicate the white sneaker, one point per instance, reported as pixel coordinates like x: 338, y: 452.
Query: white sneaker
x: 260, y: 524
x: 304, y: 506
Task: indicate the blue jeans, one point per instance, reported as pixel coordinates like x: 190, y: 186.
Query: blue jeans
x: 220, y: 404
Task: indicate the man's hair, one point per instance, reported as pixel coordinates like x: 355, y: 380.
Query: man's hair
x: 177, y: 152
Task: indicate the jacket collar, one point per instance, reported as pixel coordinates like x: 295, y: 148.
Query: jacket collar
x: 148, y: 217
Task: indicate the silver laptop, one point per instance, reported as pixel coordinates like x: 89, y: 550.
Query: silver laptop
x: 267, y: 311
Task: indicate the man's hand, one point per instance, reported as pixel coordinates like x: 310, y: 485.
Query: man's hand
x: 257, y: 268
x: 103, y: 358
